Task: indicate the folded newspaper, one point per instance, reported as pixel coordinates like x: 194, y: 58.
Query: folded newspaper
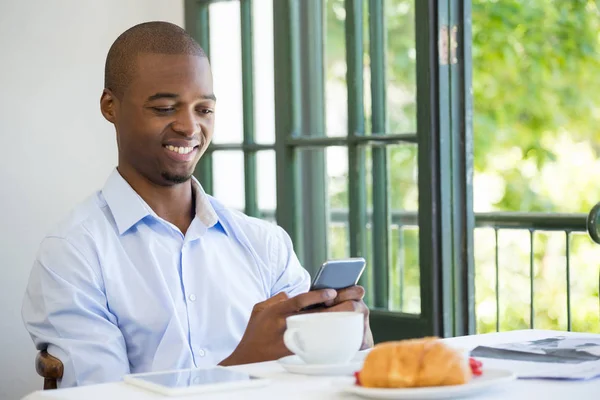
x: 560, y: 357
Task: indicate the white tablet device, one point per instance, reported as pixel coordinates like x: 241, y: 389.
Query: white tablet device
x: 191, y: 381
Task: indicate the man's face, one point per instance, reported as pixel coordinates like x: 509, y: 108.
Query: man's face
x: 165, y: 118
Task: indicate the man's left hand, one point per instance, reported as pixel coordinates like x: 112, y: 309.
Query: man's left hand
x: 351, y: 299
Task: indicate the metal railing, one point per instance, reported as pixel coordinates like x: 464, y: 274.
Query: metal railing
x: 499, y: 221
x: 533, y: 222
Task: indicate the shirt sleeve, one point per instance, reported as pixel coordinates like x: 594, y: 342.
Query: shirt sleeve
x: 65, y: 310
x: 290, y: 277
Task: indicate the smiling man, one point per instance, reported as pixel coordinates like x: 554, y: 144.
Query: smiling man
x: 151, y: 273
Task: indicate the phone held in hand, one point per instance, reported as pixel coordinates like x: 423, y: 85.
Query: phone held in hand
x: 339, y: 274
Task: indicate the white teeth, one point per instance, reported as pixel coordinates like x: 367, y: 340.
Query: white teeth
x: 180, y: 150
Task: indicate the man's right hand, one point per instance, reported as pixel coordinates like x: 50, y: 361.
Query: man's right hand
x: 263, y: 338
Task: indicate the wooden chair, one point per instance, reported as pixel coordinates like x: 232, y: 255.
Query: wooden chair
x: 50, y: 368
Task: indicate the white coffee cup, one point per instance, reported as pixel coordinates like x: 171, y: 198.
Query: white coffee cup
x: 325, y: 338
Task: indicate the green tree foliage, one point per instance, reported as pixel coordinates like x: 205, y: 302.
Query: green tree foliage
x: 535, y: 79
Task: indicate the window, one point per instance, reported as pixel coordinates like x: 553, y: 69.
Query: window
x: 336, y: 135
x: 349, y: 123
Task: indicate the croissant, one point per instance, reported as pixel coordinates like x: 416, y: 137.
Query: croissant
x: 414, y: 363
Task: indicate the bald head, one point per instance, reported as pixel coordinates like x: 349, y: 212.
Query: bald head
x: 149, y: 37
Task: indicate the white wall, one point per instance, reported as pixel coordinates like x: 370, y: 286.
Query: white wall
x: 56, y: 147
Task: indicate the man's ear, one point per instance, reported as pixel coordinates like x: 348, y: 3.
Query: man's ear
x: 108, y: 105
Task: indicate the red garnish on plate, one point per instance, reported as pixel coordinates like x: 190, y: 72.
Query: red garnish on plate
x: 475, y: 366
x: 357, y: 377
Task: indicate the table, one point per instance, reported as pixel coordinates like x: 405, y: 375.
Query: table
x: 290, y: 386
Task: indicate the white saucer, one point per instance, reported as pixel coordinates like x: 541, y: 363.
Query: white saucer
x: 489, y: 378
x: 295, y: 365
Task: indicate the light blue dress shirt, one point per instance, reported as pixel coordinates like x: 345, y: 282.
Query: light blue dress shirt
x: 115, y: 289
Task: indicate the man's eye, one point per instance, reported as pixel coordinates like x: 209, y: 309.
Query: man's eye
x: 206, y: 111
x: 163, y: 110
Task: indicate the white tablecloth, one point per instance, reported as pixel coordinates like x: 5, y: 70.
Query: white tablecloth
x: 289, y: 386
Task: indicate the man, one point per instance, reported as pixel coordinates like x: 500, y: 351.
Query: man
x: 151, y: 273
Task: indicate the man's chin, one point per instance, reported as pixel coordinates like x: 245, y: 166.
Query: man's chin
x: 176, y: 178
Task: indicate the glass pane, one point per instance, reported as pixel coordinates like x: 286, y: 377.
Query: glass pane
x: 266, y: 193
x: 323, y: 188
x: 369, y: 177
x: 337, y: 173
x: 404, y: 281
x: 403, y: 169
x: 228, y: 170
x: 226, y: 62
x: 264, y: 78
x: 367, y: 70
x: 401, y: 86
x: 336, y: 91
x: 369, y: 273
x: 405, y: 288
x: 337, y: 195
x: 339, y: 245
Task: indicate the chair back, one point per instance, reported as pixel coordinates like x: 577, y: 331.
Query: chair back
x: 50, y: 368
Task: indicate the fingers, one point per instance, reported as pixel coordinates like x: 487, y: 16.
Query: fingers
x: 278, y: 298
x: 350, y: 305
x: 303, y: 300
x: 367, y: 339
x: 352, y: 293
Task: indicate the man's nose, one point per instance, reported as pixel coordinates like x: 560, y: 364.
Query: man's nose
x: 187, y: 124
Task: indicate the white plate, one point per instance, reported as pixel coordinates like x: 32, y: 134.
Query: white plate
x: 489, y: 378
x: 295, y: 365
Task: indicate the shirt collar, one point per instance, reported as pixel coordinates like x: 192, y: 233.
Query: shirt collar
x: 204, y: 209
x: 128, y: 208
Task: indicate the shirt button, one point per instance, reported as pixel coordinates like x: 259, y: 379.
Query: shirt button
x: 201, y: 352
x: 192, y: 297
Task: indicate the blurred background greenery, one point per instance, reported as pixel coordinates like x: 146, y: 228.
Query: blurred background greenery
x: 536, y: 95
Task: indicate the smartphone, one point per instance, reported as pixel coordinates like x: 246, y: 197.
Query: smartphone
x: 339, y: 274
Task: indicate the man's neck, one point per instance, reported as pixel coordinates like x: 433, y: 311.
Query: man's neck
x: 172, y: 203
